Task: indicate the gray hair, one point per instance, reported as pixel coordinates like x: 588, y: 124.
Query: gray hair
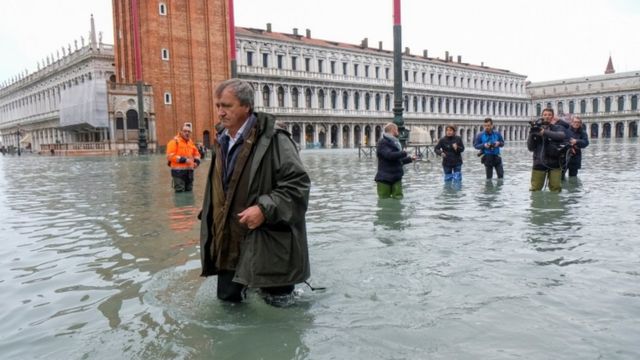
x: 241, y: 89
x: 389, y: 126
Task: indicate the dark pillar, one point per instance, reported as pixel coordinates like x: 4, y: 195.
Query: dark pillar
x: 397, y: 74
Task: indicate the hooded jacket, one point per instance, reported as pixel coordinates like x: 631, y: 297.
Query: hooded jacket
x: 270, y: 174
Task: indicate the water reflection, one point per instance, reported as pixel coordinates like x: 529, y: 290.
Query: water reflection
x: 390, y: 215
x: 552, y: 228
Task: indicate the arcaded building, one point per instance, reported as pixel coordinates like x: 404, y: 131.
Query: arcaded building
x: 607, y: 103
x: 333, y: 94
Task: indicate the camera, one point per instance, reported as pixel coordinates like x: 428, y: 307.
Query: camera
x: 537, y: 125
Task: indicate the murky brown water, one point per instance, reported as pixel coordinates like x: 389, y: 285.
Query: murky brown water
x: 99, y: 261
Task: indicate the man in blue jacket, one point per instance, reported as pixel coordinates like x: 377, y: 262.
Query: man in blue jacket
x: 489, y: 143
x: 391, y: 158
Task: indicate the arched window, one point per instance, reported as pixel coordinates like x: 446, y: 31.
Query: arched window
x: 294, y: 97
x: 356, y: 100
x: 424, y: 104
x: 162, y: 9
x: 387, y: 102
x: 634, y: 102
x: 607, y: 104
x: 377, y: 105
x: 321, y: 99
x: 621, y: 103
x: 572, y: 107
x: 307, y: 98
x: 583, y: 106
x: 345, y: 100
x: 266, y: 96
x: 595, y: 105
x: 367, y: 101
x: 406, y: 103
x: 280, y: 94
x: 334, y: 100
x: 132, y: 119
x: 415, y: 104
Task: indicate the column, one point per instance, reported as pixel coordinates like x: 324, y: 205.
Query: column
x: 303, y: 136
x: 340, y: 135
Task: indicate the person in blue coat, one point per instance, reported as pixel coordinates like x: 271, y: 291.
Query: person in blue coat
x: 578, y: 140
x: 489, y: 143
x: 391, y: 159
x: 450, y: 148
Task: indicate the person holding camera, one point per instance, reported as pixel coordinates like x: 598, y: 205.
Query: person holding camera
x: 578, y: 140
x: 489, y: 143
x: 391, y: 159
x: 450, y: 148
x: 547, y: 142
x: 183, y: 157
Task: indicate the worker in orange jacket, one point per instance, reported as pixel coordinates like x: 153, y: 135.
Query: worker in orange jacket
x: 183, y: 157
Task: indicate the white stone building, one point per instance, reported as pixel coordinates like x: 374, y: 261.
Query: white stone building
x: 340, y: 95
x: 72, y: 104
x: 607, y: 104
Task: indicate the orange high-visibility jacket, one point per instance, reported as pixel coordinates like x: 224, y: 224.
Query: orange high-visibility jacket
x: 178, y: 147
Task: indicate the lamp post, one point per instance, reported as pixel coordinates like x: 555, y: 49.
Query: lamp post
x: 397, y: 74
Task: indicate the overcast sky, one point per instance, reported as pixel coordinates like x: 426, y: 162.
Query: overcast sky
x: 543, y: 39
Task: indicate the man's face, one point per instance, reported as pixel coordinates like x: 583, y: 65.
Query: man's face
x: 231, y: 114
x: 547, y: 116
x: 185, y: 133
x: 576, y: 124
x: 488, y: 127
x: 450, y: 132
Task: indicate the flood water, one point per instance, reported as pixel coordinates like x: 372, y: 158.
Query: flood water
x: 99, y: 260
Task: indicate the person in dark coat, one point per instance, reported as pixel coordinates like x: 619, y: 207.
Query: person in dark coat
x: 450, y: 148
x: 547, y: 142
x: 578, y: 140
x: 391, y: 159
x: 253, y: 230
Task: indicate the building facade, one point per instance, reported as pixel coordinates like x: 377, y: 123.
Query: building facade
x: 72, y: 104
x: 607, y: 104
x: 184, y: 53
x: 333, y: 94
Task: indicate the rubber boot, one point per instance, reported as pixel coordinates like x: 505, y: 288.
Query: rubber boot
x: 537, y: 179
x: 555, y: 180
x: 448, y: 177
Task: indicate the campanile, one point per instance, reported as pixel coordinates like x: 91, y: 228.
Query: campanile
x: 184, y: 53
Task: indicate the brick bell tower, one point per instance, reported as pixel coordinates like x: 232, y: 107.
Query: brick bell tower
x: 184, y: 54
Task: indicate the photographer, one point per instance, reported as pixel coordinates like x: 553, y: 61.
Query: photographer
x: 547, y: 142
x: 489, y: 143
x: 578, y: 140
x: 450, y: 148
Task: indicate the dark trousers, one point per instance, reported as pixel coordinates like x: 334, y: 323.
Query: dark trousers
x: 490, y: 162
x: 235, y: 292
x: 182, y: 180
